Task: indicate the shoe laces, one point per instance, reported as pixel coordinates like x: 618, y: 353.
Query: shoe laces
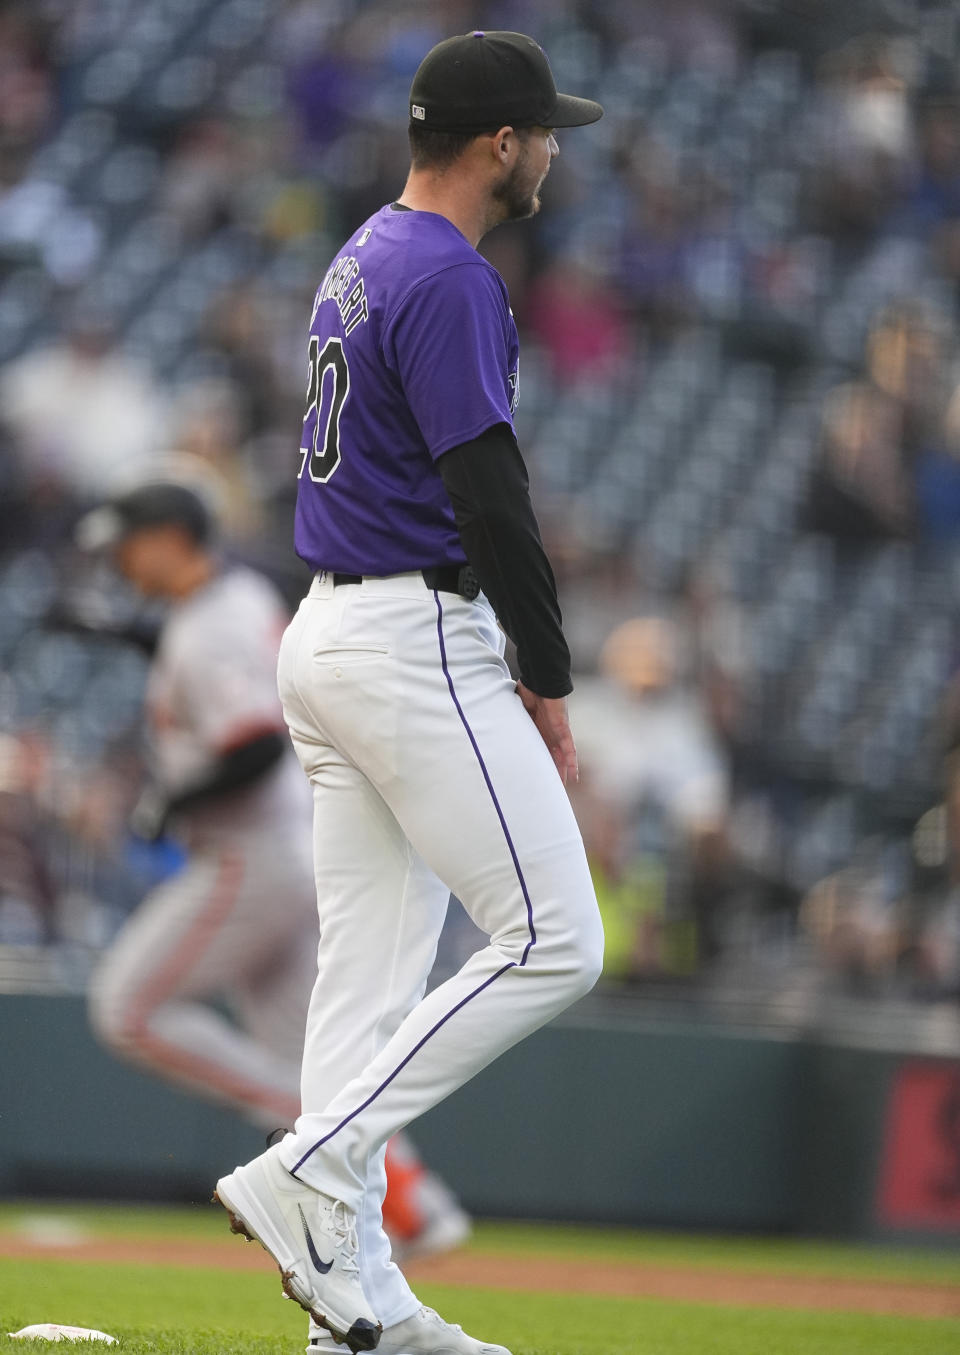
x: 343, y: 1225
x: 432, y: 1316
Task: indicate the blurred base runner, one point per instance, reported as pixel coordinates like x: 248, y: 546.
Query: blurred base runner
x: 209, y: 982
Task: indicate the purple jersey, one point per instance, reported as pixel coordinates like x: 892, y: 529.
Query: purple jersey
x: 412, y: 351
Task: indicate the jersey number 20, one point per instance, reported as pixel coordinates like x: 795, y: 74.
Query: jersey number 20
x: 329, y: 387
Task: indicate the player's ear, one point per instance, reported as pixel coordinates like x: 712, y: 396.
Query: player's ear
x: 503, y: 143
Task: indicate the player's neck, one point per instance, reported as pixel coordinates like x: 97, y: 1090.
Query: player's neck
x: 462, y: 201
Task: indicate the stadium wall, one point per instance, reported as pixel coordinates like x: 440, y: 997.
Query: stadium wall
x: 625, y: 1121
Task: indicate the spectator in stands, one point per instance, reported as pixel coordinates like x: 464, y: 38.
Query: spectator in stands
x: 578, y: 319
x: 938, y: 480
x: 81, y: 414
x: 237, y: 333
x: 210, y: 432
x: 907, y: 351
x: 858, y: 921
x: 934, y: 958
x: 203, y: 175
x: 935, y: 200
x: 27, y: 891
x: 17, y: 524
x: 888, y: 922
x: 864, y: 136
x: 931, y: 193
x: 331, y: 75
x: 645, y: 739
x: 652, y: 266
x: 929, y: 206
x: 879, y: 432
x: 26, y: 86
x: 861, y: 488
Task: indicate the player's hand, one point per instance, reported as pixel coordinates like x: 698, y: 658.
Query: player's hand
x: 549, y: 714
x: 149, y: 816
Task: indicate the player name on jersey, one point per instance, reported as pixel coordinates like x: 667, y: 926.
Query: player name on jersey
x: 351, y: 301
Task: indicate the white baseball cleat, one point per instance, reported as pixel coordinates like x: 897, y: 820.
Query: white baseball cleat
x: 425, y: 1333
x: 312, y: 1238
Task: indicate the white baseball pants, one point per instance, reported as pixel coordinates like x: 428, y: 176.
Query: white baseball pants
x: 428, y: 777
x: 236, y: 922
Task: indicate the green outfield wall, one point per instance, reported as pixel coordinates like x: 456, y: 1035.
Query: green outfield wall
x: 634, y: 1121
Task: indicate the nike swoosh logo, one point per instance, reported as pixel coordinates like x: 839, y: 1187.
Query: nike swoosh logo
x: 323, y: 1266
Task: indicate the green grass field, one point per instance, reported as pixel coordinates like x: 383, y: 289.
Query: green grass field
x: 170, y: 1309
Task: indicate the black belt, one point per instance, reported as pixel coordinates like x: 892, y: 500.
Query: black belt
x: 460, y: 579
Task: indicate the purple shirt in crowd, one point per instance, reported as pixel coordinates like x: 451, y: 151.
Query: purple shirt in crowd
x: 413, y: 350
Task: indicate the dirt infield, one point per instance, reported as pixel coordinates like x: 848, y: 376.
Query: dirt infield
x: 621, y: 1279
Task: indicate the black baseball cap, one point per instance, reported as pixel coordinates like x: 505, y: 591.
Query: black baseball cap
x: 481, y: 81
x: 150, y: 505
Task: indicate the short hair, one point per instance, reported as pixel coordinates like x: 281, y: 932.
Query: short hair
x: 430, y: 149
x: 437, y: 150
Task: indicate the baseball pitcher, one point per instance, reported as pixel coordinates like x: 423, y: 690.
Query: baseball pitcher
x: 432, y: 770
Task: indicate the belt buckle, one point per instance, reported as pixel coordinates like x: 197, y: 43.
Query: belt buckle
x: 468, y: 585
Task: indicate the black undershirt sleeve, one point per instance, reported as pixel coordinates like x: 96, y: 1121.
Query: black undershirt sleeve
x: 239, y: 767
x: 142, y: 632
x: 487, y: 482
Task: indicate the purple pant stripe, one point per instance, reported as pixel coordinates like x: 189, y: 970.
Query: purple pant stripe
x: 493, y: 977
x: 403, y: 1063
x: 486, y: 777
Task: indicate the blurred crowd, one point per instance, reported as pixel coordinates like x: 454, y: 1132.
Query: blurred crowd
x: 739, y: 400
